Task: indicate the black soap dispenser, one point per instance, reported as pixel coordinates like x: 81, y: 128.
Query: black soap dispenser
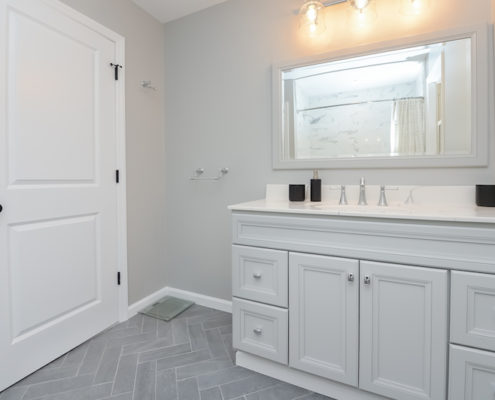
x: 315, y: 187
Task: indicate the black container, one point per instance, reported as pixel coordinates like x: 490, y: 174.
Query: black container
x: 297, y: 192
x: 485, y: 195
x: 315, y: 189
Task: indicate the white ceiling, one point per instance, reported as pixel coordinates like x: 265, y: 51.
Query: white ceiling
x: 168, y: 10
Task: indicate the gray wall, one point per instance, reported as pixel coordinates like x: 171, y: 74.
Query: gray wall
x: 145, y: 140
x: 218, y: 113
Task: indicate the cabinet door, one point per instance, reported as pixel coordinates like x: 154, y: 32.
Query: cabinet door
x: 324, y: 316
x: 403, y: 337
x: 472, y: 310
x: 472, y: 374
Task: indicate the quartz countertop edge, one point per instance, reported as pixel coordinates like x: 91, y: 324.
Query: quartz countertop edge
x: 446, y: 213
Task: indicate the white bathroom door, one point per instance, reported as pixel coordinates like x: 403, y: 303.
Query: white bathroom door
x: 58, y: 156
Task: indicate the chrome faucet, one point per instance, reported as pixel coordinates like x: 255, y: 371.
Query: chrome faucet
x: 343, y: 196
x: 362, y: 193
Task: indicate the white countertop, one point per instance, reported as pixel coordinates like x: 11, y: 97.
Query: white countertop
x: 457, y: 206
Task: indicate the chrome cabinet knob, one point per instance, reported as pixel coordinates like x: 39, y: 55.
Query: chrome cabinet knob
x: 367, y: 280
x: 350, y: 277
x: 256, y: 275
x: 258, y: 331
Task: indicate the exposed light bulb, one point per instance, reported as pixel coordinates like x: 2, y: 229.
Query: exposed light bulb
x: 361, y: 4
x: 363, y: 11
x: 310, y: 17
x: 312, y: 14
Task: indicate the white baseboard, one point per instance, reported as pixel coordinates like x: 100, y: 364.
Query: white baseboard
x: 201, y: 299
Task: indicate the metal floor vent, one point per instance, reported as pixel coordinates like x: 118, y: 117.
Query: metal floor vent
x: 167, y: 308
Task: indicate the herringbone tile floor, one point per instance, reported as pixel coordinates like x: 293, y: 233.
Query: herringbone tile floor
x: 189, y: 358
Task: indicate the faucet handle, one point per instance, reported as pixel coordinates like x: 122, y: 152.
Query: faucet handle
x: 383, y: 197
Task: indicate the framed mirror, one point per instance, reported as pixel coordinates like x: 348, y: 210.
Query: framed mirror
x: 421, y: 102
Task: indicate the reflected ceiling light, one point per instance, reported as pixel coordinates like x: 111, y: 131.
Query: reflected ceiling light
x: 413, y: 7
x: 311, y: 18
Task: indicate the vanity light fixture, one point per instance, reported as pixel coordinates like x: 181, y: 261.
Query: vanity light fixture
x: 311, y: 19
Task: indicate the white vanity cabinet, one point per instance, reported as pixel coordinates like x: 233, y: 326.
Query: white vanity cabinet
x: 368, y: 305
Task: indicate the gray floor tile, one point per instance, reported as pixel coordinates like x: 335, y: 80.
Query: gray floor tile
x: 51, y: 374
x: 182, y: 359
x: 14, y: 393
x: 58, y: 386
x: 153, y: 355
x: 211, y: 394
x: 144, y: 389
x: 246, y: 385
x: 108, y: 365
x: 281, y: 391
x: 224, y: 320
x: 188, y: 389
x: 92, y: 358
x: 166, y: 385
x: 203, y: 367
x: 126, y: 374
x: 189, y: 358
x: 87, y: 393
x: 197, y: 337
x: 223, y: 376
x: 215, y: 344
x: 179, y: 331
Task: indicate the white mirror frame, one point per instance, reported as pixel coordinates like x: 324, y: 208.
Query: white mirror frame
x: 482, y: 94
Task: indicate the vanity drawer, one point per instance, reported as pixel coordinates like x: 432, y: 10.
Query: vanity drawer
x: 261, y: 330
x: 260, y: 275
x: 472, y: 374
x: 473, y: 310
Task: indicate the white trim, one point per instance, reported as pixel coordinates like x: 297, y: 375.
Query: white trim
x: 200, y: 299
x: 121, y: 143
x: 314, y: 383
x: 139, y: 305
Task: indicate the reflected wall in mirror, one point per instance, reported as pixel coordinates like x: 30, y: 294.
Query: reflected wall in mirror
x: 415, y: 102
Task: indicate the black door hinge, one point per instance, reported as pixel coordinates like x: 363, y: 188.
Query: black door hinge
x: 117, y: 176
x: 116, y: 66
x: 118, y: 278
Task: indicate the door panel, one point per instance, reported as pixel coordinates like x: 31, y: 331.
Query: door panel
x: 403, y: 335
x: 58, y: 228
x: 42, y: 148
x: 472, y: 374
x: 323, y: 316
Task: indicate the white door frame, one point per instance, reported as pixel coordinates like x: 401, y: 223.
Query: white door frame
x: 121, y: 144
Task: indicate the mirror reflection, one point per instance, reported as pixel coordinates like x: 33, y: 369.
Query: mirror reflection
x: 408, y: 102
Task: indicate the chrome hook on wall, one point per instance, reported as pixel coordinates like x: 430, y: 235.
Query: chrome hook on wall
x: 147, y: 85
x: 200, y: 171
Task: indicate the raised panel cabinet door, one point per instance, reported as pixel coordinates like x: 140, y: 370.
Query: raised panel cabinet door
x: 403, y: 331
x: 472, y: 374
x: 260, y: 275
x: 324, y: 316
x: 472, y: 318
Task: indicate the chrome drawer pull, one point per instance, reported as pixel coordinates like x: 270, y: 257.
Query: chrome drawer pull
x: 257, y: 331
x: 367, y: 280
x: 350, y: 277
x: 256, y: 275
